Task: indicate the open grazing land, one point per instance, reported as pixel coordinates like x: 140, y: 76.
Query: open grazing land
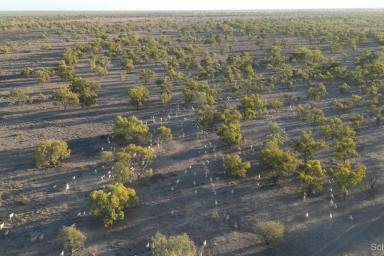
x: 192, y: 133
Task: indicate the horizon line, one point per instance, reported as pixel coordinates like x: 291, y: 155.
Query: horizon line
x: 199, y: 10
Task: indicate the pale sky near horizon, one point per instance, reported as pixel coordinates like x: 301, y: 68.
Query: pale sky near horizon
x: 123, y: 5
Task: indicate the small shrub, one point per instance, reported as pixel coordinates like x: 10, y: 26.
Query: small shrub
x: 235, y: 166
x: 127, y: 64
x: 20, y: 94
x: 27, y: 72
x: 272, y: 232
x: 344, y: 88
x: 50, y: 152
x: 71, y: 239
x: 65, y: 71
x: 43, y: 75
x: 316, y: 93
x: 165, y: 133
x: 69, y: 56
x: 132, y: 162
x: 356, y: 119
x: 178, y: 245
x: 106, y: 155
x: 275, y: 104
x: 65, y: 96
x: 145, y: 75
x: 123, y: 75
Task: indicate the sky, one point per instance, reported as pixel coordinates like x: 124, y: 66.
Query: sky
x: 147, y: 5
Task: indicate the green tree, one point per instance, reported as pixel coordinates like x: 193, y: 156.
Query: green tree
x: 277, y: 161
x: 356, y: 119
x: 276, y: 133
x: 131, y: 128
x: 307, y: 145
x: 136, y: 158
x: 100, y: 64
x: 166, y: 89
x: 86, y: 90
x: 231, y: 133
x: 316, y: 93
x: 178, y: 245
x: 71, y: 239
x: 345, y: 178
x: 127, y: 64
x: 206, y: 114
x: 228, y: 115
x: 312, y: 174
x: 235, y: 166
x: 65, y: 71
x: 49, y: 153
x: 310, y: 114
x: 337, y: 129
x: 345, y: 148
x: 193, y: 89
x: 275, y: 104
x: 69, y: 56
x: 252, y: 105
x: 138, y: 94
x: 145, y: 75
x: 109, y: 205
